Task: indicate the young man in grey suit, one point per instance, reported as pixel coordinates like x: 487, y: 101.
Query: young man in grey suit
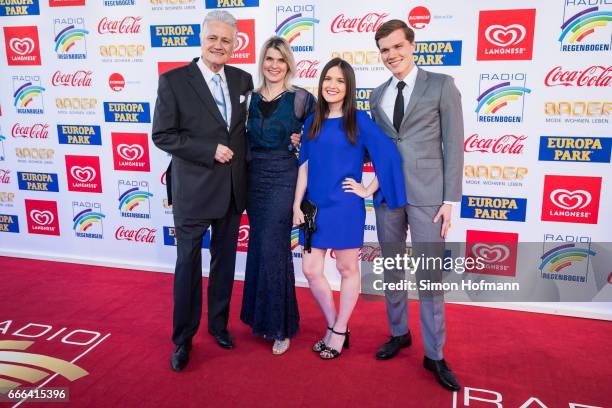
x: 199, y: 119
x: 421, y: 112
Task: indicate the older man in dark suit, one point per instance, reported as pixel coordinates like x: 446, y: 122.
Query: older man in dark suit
x: 200, y: 119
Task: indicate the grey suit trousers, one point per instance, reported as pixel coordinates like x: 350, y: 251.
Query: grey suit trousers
x: 392, y: 226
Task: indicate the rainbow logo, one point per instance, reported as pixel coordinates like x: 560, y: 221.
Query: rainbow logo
x: 68, y: 38
x: 295, y: 238
x: 497, y: 97
x: 564, y: 256
x: 86, y: 219
x: 26, y: 93
x: 293, y: 26
x: 131, y: 198
x: 583, y: 24
x: 369, y: 204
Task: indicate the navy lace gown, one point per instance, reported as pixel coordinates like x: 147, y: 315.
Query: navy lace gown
x: 269, y: 304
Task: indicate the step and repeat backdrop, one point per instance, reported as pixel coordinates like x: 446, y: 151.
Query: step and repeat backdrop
x: 80, y: 178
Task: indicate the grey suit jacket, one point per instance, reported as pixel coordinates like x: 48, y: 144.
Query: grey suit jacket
x: 430, y: 139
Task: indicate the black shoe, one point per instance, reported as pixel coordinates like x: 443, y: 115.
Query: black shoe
x: 320, y: 345
x: 443, y: 373
x: 180, y: 356
x: 329, y: 353
x: 393, y: 346
x: 224, y: 339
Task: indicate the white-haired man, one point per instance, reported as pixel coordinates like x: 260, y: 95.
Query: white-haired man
x: 200, y: 119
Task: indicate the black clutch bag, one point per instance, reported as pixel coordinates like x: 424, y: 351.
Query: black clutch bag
x: 310, y: 214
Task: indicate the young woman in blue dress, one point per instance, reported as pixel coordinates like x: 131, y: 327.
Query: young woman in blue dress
x: 277, y: 111
x: 336, y: 138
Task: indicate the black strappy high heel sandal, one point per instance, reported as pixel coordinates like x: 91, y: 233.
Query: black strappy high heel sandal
x: 320, y: 345
x: 329, y: 353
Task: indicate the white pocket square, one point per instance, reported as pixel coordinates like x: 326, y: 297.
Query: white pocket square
x: 242, y: 98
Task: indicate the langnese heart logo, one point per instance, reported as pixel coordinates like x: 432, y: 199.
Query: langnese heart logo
x: 22, y: 46
x: 42, y: 217
x: 504, y: 36
x: 83, y: 174
x: 491, y: 253
x: 242, y: 41
x: 570, y: 200
x: 130, y: 152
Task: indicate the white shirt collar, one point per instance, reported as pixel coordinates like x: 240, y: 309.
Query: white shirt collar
x: 409, y: 80
x: 208, y: 74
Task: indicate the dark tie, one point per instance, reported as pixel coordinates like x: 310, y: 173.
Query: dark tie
x: 398, y: 110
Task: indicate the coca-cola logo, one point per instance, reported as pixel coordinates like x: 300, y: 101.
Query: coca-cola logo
x: 595, y: 75
x: 42, y: 217
x: 143, y: 234
x: 307, y: 69
x: 369, y: 23
x: 491, y: 253
x: 130, y: 152
x: 79, y: 78
x: 5, y: 176
x: 127, y: 25
x: 570, y: 200
x: 22, y: 46
x: 506, y: 144
x: 36, y: 131
x: 83, y: 174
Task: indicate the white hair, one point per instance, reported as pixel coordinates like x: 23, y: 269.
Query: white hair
x: 222, y: 16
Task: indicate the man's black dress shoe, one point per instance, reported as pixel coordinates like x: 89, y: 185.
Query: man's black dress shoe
x: 443, y: 373
x: 393, y: 346
x: 224, y: 339
x: 180, y: 356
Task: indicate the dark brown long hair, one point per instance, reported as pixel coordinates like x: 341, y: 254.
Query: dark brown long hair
x: 349, y: 112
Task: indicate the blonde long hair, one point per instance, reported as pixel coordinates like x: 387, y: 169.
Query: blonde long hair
x: 282, y: 46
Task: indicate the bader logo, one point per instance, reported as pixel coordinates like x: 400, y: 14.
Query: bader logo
x: 19, y: 8
x: 87, y: 219
x: 42, y: 217
x: 245, y: 50
x: 572, y: 199
x: 22, y: 45
x: 134, y: 199
x: 79, y: 134
x: 296, y: 24
x: 9, y: 223
x: 584, y: 27
x: 505, y: 34
x: 83, y: 173
x: 70, y: 42
x: 497, y: 250
x: 579, y: 149
x: 503, y: 92
x: 28, y: 95
x: 494, y: 208
x: 130, y: 151
x: 179, y: 35
x: 129, y: 112
x: 37, y: 181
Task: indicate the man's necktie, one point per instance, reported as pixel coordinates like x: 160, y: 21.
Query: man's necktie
x: 219, y: 96
x: 398, y: 110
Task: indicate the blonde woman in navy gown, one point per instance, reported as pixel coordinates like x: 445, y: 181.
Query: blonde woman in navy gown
x: 276, y: 111
x: 336, y: 138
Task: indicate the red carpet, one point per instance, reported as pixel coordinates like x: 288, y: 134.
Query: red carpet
x: 498, y: 355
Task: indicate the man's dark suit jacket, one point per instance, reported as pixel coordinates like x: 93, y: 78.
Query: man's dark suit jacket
x: 188, y: 125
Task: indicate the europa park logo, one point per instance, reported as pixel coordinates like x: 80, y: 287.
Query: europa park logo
x: 22, y: 45
x: 585, y: 27
x: 505, y: 34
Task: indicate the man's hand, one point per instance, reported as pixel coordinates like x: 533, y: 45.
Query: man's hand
x: 223, y: 154
x: 296, y: 138
x: 445, y: 213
